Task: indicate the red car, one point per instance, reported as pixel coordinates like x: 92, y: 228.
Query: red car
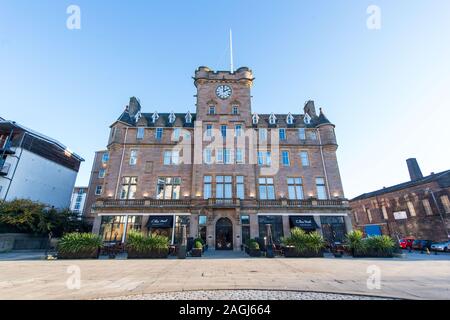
x: 406, y: 243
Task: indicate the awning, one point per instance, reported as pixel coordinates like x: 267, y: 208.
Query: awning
x: 304, y: 222
x: 160, y: 222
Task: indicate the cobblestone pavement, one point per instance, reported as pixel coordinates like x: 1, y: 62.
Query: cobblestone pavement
x: 245, y: 295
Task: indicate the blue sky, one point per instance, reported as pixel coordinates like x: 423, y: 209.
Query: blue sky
x: 386, y: 90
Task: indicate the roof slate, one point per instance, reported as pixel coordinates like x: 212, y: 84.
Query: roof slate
x: 443, y: 179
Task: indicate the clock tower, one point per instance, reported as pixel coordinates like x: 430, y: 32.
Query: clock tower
x: 223, y: 96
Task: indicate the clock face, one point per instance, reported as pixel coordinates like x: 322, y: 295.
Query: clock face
x: 223, y: 92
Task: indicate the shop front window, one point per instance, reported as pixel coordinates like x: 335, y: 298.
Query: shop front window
x: 112, y: 228
x: 179, y: 222
x: 276, y: 223
x: 333, y: 229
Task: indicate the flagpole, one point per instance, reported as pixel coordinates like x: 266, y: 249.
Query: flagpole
x: 231, y: 52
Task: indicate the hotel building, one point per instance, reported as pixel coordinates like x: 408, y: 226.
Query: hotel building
x: 225, y: 171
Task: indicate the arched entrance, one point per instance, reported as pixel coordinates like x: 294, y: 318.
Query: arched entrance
x: 224, y: 234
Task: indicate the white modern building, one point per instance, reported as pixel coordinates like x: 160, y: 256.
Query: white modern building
x: 35, y: 167
x: 78, y: 200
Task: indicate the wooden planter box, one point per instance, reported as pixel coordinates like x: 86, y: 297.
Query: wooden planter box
x: 153, y: 254
x: 254, y: 253
x: 293, y: 253
x: 89, y: 254
x: 196, y: 252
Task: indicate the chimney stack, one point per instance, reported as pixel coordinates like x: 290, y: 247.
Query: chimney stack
x: 414, y: 170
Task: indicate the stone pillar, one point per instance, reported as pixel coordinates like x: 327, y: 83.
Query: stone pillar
x: 348, y: 223
x: 319, y: 224
x: 211, y: 234
x: 193, y: 221
x: 97, y: 224
x: 286, y: 226
x: 254, y: 226
x: 237, y: 230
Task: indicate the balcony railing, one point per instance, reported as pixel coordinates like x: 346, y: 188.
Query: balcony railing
x: 214, y: 202
x: 219, y: 203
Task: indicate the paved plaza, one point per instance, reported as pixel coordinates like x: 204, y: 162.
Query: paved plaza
x: 415, y: 276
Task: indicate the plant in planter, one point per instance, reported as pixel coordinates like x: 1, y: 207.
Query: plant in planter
x: 380, y: 246
x: 254, y: 249
x: 79, y: 246
x: 302, y: 244
x: 140, y: 246
x: 377, y: 246
x: 197, y: 250
x: 355, y: 241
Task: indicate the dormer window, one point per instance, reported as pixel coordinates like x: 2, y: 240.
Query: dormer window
x: 212, y: 110
x: 290, y: 119
x: 137, y: 117
x: 188, y: 117
x: 255, y: 118
x: 235, y: 110
x: 307, y: 119
x: 172, y: 117
x: 155, y: 117
x: 273, y: 119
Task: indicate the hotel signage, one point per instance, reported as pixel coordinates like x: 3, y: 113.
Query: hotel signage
x: 160, y: 222
x: 304, y: 222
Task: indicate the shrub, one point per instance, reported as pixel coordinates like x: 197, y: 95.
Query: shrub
x: 377, y: 246
x: 304, y: 242
x: 198, y: 244
x: 26, y: 216
x: 253, y: 245
x: 139, y: 242
x: 79, y: 243
x: 380, y: 245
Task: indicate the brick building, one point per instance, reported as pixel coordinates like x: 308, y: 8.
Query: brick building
x: 224, y: 171
x: 418, y: 208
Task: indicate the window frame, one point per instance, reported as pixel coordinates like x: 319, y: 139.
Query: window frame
x: 159, y: 132
x: 133, y: 157
x: 296, y: 183
x: 140, y: 133
x: 171, y: 182
x: 283, y: 158
x: 282, y: 137
x: 267, y: 186
x: 302, y: 154
x: 97, y: 188
x: 321, y: 185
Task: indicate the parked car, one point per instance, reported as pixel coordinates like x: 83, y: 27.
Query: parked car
x: 406, y: 243
x: 441, y: 246
x: 422, y: 244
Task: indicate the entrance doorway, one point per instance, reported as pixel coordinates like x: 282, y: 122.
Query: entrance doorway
x: 224, y: 234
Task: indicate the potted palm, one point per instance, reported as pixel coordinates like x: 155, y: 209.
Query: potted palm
x: 79, y: 246
x: 302, y: 244
x: 197, y: 250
